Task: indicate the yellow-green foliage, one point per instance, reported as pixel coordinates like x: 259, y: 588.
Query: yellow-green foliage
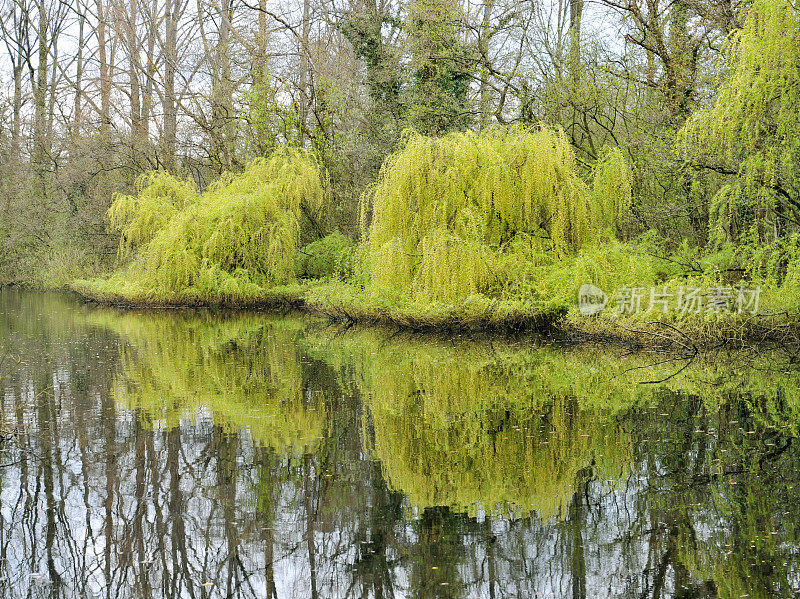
x: 244, y: 370
x: 159, y: 197
x: 789, y: 294
x: 754, y: 125
x: 612, y: 185
x: 536, y: 288
x: 496, y: 426
x: 510, y: 427
x: 489, y: 458
x: 324, y: 257
x: 449, y: 214
x: 610, y: 265
x: 238, y: 237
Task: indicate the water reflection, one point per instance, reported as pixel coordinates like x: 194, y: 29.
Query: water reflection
x: 202, y: 455
x: 244, y: 373
x: 477, y: 427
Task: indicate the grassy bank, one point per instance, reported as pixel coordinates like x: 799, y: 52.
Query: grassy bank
x: 115, y: 290
x: 333, y: 299
x: 349, y: 303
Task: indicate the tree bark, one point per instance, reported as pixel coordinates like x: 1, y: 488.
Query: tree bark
x: 172, y: 13
x: 40, y: 150
x: 105, y: 80
x: 483, y: 47
x: 221, y: 100
x: 134, y: 68
x: 78, y: 111
x: 304, y: 73
x: 147, y: 99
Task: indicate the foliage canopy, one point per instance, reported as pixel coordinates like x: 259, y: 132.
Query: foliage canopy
x: 239, y: 235
x: 752, y: 131
x: 449, y: 214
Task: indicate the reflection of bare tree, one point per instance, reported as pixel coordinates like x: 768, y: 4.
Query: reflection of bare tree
x: 265, y: 514
x: 577, y: 521
x: 310, y: 511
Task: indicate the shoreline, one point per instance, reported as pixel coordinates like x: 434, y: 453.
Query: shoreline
x: 277, y: 302
x: 691, y: 334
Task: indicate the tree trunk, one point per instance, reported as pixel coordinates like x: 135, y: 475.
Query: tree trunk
x: 147, y: 100
x: 134, y: 68
x: 16, y: 126
x: 260, y: 59
x: 78, y: 114
x: 172, y: 12
x: 221, y: 101
x: 304, y: 72
x: 575, y: 18
x: 40, y: 150
x: 52, y: 99
x: 679, y: 69
x: 105, y: 80
x: 483, y: 47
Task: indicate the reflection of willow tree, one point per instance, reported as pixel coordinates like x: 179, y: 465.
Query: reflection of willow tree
x: 489, y: 455
x: 705, y: 457
x: 734, y: 472
x: 437, y: 553
x: 250, y: 372
x: 245, y: 371
x: 485, y: 425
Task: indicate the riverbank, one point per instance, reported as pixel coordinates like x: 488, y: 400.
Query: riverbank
x: 110, y: 293
x: 336, y: 301
x: 349, y: 305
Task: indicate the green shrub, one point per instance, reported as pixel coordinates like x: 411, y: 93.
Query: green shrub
x: 323, y: 257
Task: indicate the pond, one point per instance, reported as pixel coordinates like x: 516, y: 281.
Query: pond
x: 206, y: 454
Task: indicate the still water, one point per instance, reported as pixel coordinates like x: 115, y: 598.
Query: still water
x: 196, y: 454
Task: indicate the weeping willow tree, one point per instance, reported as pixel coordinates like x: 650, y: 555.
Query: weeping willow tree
x: 450, y: 216
x: 245, y: 371
x: 159, y: 197
x: 751, y: 134
x: 238, y: 237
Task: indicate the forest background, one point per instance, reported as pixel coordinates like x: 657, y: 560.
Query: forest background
x: 699, y: 97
